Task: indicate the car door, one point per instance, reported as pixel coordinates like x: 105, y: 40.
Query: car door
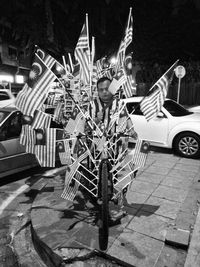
x: 155, y: 130
x: 12, y: 153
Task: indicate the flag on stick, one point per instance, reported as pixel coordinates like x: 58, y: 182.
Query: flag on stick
x: 152, y: 103
x: 82, y: 53
x: 34, y: 93
x: 125, y: 42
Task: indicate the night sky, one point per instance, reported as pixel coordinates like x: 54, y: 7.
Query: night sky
x: 163, y: 30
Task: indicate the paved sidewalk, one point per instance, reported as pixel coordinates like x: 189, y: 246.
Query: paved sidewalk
x: 162, y: 207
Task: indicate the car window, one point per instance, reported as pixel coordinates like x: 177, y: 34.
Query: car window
x: 175, y: 109
x: 3, y: 115
x: 134, y: 108
x: 11, y: 128
x: 4, y: 96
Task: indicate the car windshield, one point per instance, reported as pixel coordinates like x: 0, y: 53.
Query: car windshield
x: 3, y: 115
x: 175, y: 109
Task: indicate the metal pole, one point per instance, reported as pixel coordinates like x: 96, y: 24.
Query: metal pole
x: 179, y: 85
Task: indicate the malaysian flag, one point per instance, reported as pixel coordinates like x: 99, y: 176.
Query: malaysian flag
x: 45, y: 147
x: 118, y: 80
x: 27, y: 138
x: 76, y: 122
x: 34, y: 93
x: 64, y: 151
x: 82, y: 53
x: 41, y: 120
x: 125, y: 42
x: 50, y: 100
x: 58, y: 112
x: 129, y: 87
x: 104, y: 68
x: 123, y: 117
x: 50, y: 62
x: 151, y: 104
x: 71, y: 187
x: 140, y: 154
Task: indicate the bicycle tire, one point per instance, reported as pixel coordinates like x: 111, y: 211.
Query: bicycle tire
x: 104, y: 209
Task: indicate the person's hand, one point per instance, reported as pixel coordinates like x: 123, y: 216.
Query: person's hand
x: 132, y: 133
x: 99, y: 116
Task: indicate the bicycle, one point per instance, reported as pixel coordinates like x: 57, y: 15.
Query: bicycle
x: 103, y: 181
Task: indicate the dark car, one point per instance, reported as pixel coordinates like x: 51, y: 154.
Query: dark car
x: 13, y: 157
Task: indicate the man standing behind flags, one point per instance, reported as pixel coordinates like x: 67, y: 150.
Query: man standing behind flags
x: 105, y: 106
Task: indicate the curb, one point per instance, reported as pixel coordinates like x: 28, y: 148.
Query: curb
x: 193, y: 256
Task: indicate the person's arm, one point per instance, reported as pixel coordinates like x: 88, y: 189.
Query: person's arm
x: 130, y: 129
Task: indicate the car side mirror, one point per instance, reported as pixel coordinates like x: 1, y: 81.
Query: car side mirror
x: 160, y: 115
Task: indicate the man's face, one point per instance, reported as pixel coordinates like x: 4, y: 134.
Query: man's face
x: 103, y: 92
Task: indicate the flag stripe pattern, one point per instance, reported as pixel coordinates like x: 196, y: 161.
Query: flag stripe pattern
x: 27, y: 138
x: 153, y: 102
x: 70, y: 191
x: 125, y: 42
x: 140, y: 154
x: 40, y: 77
x: 65, y: 155
x: 46, y: 153
x: 82, y: 54
x: 41, y: 120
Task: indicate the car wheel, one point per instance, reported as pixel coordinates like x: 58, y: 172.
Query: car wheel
x: 187, y: 145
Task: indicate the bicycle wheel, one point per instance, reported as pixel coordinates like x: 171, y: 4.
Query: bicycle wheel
x: 104, y: 207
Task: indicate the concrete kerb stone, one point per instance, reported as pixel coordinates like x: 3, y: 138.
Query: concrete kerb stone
x: 193, y: 256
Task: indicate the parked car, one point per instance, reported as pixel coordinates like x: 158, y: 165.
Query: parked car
x: 6, y: 98
x: 174, y: 127
x: 13, y: 157
x: 194, y: 109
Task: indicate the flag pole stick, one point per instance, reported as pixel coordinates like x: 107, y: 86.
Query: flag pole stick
x: 70, y: 61
x: 91, y: 64
x: 64, y: 63
x: 164, y: 74
x: 87, y: 27
x: 90, y: 59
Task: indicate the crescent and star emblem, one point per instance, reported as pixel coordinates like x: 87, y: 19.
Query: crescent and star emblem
x: 35, y: 71
x: 39, y: 136
x: 41, y: 53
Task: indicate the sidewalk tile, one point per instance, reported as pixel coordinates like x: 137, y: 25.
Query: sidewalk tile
x: 185, y: 220
x: 158, y: 170
x: 171, y: 257
x: 134, y: 200
x: 194, y: 162
x: 167, y: 208
x: 182, y: 173
x: 187, y: 167
x: 143, y: 187
x: 170, y: 193
x: 149, y: 224
x: 177, y: 182
x: 167, y: 164
x: 136, y: 249
x: 178, y: 237
x: 150, y: 177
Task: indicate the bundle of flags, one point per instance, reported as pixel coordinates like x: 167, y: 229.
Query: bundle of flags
x: 42, y: 140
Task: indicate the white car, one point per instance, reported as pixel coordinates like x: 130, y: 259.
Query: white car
x: 7, y: 99
x: 194, y: 109
x: 174, y: 127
